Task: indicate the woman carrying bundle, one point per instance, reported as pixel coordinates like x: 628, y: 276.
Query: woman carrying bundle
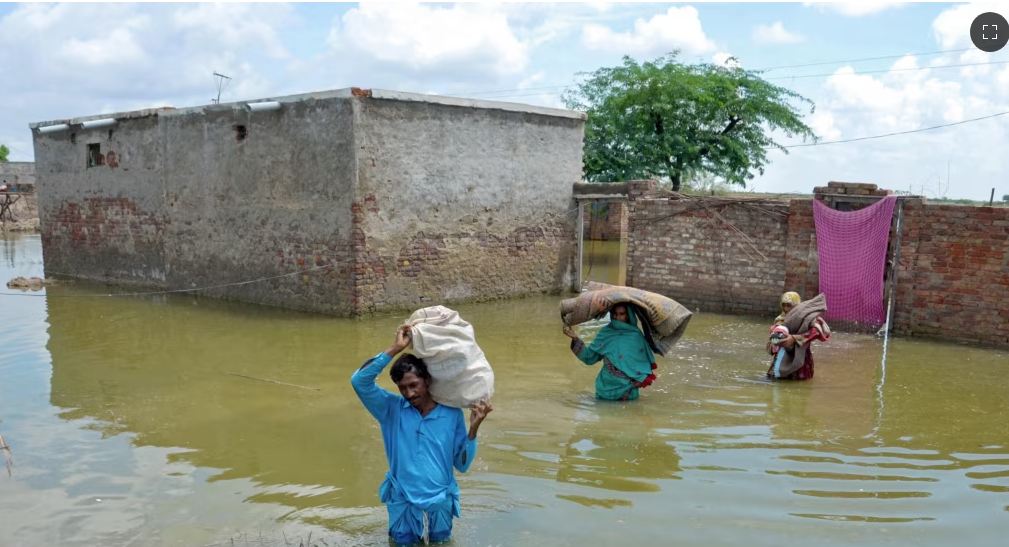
x: 628, y: 361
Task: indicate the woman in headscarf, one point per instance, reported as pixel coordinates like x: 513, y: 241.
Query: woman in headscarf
x: 793, y: 334
x: 628, y: 360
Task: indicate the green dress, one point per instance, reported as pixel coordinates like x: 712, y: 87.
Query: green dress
x: 628, y: 361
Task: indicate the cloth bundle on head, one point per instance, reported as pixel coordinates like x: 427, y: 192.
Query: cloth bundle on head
x: 460, y: 373
x: 799, y: 320
x: 663, y: 319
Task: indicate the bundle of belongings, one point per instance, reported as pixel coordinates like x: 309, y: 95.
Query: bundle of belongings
x: 460, y: 373
x: 663, y: 319
x: 799, y: 320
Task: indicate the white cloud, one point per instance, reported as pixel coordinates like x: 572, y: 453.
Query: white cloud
x: 530, y: 81
x: 1003, y: 78
x: 677, y: 28
x: 231, y: 26
x: 82, y: 59
x: 775, y: 33
x: 852, y: 105
x: 822, y: 123
x: 146, y: 51
x: 422, y: 38
x: 856, y: 8
x: 952, y: 26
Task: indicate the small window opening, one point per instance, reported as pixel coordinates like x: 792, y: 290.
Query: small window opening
x: 95, y: 155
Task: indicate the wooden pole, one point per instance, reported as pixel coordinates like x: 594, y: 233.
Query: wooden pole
x: 581, y: 235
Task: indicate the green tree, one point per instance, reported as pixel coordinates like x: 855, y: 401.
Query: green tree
x: 4, y: 151
x: 668, y: 120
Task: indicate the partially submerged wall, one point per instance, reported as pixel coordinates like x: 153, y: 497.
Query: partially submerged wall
x: 457, y: 203
x: 953, y: 280
x: 262, y: 194
x: 605, y: 221
x: 101, y: 202
x: 708, y: 254
x: 374, y: 200
x: 953, y: 269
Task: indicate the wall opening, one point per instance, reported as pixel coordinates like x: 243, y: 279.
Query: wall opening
x: 95, y: 154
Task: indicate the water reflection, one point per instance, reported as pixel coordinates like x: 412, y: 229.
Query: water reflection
x: 164, y: 370
x: 130, y: 425
x: 616, y: 447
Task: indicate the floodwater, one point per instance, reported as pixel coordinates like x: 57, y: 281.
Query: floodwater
x: 601, y: 261
x: 145, y: 421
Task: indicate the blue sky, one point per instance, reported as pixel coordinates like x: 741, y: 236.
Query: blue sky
x: 66, y: 60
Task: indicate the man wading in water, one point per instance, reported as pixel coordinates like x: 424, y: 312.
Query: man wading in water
x: 423, y: 442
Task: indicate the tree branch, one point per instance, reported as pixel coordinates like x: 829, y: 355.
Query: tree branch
x: 733, y: 122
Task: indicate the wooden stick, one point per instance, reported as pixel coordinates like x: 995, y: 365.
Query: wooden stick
x: 8, y: 455
x: 273, y: 381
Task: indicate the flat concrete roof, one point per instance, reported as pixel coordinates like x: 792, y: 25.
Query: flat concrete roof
x: 375, y: 94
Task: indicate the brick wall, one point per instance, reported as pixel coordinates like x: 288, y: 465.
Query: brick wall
x: 393, y: 200
x: 606, y: 221
x: 687, y: 250
x: 953, y: 270
x: 953, y: 280
x: 802, y: 262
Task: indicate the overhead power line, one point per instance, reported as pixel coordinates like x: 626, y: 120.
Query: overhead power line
x: 859, y: 60
x: 765, y: 69
x: 886, y: 71
x: 884, y: 135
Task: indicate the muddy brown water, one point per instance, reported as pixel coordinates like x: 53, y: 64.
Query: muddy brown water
x: 133, y: 421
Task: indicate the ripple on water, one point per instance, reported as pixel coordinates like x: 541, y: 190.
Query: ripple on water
x: 861, y: 518
x: 859, y: 494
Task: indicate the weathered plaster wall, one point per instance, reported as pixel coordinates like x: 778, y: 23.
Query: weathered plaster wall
x: 105, y: 219
x: 17, y: 172
x: 457, y: 204
x: 396, y: 200
x: 262, y: 194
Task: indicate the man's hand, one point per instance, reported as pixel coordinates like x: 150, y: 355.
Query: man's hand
x: 402, y: 341
x: 788, y: 342
x: 570, y: 333
x: 477, y: 413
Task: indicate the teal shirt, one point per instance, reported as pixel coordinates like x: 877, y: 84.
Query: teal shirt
x: 627, y: 358
x: 421, y: 450
x: 608, y: 386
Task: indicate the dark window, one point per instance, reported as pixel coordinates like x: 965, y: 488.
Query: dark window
x: 95, y: 155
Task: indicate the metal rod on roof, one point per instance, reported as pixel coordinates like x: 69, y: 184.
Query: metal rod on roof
x: 220, y: 85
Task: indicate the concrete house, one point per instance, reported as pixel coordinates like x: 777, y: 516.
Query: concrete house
x: 348, y: 201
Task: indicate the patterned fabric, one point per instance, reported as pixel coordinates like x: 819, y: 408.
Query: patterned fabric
x: 663, y: 319
x: 852, y: 248
x: 806, y: 320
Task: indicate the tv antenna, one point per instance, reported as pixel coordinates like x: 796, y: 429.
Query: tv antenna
x: 222, y: 81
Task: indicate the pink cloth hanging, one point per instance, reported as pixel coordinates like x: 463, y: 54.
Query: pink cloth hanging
x: 852, y: 247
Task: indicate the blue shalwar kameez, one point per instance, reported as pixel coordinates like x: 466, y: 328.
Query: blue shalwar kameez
x: 421, y: 452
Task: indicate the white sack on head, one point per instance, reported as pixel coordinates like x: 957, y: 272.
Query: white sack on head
x: 460, y: 373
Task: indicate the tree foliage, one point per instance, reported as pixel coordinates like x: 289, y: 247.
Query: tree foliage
x: 4, y: 151
x: 668, y: 120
